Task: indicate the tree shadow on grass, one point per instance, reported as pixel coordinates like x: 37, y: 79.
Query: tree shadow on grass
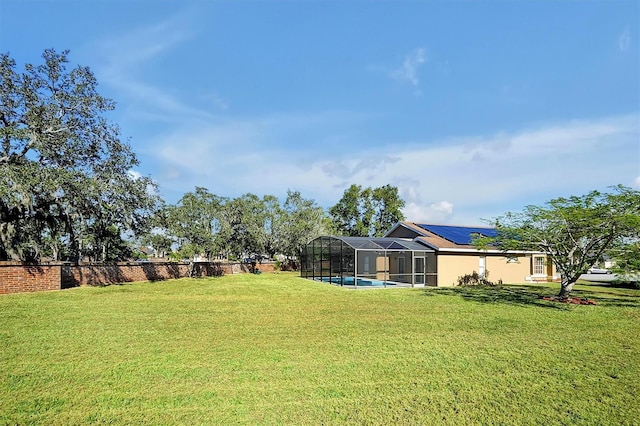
x: 532, y: 296
x: 631, y: 299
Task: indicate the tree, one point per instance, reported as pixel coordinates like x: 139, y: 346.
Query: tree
x: 574, y: 232
x: 347, y: 215
x: 387, y: 205
x: 274, y: 225
x: 121, y: 203
x: 195, y: 222
x: 367, y: 212
x: 304, y: 221
x: 627, y: 261
x: 66, y: 184
x: 160, y: 242
x: 247, y: 236
x: 248, y: 225
x: 204, y: 223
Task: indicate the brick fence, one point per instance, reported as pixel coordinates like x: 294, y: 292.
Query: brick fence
x: 19, y: 278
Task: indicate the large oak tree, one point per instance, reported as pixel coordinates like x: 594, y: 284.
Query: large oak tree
x: 66, y: 186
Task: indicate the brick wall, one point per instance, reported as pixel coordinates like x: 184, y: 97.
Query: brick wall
x: 18, y: 278
x: 97, y: 275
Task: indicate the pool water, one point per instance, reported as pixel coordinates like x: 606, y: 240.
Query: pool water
x: 361, y: 282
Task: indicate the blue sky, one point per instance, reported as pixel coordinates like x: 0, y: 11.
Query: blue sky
x: 470, y: 108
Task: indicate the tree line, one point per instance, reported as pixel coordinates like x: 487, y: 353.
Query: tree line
x: 202, y: 223
x: 208, y: 225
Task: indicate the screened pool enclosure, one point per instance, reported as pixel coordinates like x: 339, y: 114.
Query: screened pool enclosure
x: 368, y: 262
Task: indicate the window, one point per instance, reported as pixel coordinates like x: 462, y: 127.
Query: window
x: 366, y: 264
x: 539, y: 265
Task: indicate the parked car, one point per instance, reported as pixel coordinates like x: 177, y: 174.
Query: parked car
x: 596, y: 270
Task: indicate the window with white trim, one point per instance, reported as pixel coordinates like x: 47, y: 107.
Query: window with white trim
x: 539, y: 265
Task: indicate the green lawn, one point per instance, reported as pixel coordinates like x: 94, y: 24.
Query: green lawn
x: 277, y: 349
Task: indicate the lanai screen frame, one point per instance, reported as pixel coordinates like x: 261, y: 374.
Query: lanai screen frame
x: 388, y: 260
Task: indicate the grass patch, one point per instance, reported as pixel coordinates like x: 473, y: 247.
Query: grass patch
x: 277, y: 349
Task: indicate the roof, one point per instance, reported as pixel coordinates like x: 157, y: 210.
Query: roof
x: 462, y: 235
x: 382, y: 243
x: 445, y: 237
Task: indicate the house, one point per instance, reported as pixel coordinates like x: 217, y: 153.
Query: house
x: 412, y: 254
x: 457, y: 256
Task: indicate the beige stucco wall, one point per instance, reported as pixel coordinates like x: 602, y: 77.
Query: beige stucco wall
x: 511, y: 270
x: 452, y: 266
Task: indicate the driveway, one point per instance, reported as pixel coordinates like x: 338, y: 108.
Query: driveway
x: 598, y: 278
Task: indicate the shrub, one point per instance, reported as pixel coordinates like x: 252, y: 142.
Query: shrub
x: 289, y: 265
x: 474, y: 279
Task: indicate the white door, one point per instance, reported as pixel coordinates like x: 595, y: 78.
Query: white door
x: 482, y: 265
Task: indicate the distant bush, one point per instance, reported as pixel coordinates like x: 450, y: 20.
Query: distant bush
x: 174, y: 256
x: 138, y: 255
x: 289, y: 265
x: 627, y: 282
x: 475, y: 279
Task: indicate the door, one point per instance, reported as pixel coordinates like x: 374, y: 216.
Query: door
x: 482, y: 265
x: 418, y: 269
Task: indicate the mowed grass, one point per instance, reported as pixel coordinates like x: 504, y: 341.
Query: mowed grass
x: 278, y: 349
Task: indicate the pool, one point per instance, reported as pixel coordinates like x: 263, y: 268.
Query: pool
x: 362, y: 282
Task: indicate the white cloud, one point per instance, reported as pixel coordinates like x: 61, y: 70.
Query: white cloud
x: 264, y: 155
x: 624, y: 40
x: 129, y: 51
x: 550, y: 159
x: 124, y: 63
x: 348, y: 169
x: 482, y: 176
x: 636, y: 183
x: 437, y: 212
x: 408, y: 71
